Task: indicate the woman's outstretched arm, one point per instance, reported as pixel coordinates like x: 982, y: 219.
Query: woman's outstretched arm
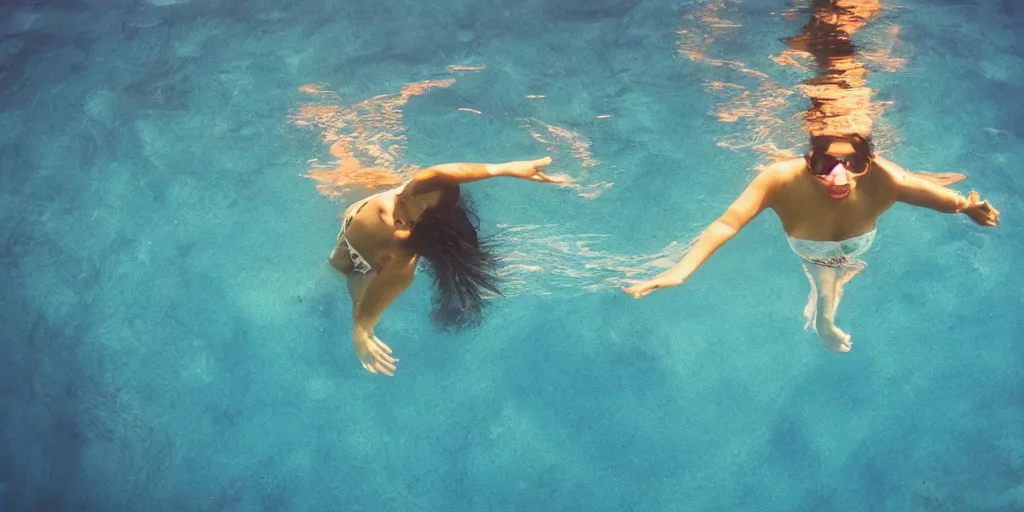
x: 920, y: 192
x: 458, y: 173
x: 757, y: 196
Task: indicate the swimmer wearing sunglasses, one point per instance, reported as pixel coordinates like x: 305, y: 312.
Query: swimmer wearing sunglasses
x: 829, y: 202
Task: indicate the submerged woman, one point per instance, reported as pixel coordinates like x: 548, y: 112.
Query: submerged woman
x: 383, y: 237
x: 829, y: 203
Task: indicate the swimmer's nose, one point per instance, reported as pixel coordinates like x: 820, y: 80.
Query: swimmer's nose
x: 838, y: 176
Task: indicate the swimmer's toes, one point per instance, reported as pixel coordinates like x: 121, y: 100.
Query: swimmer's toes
x: 834, y: 338
x: 845, y: 347
x: 844, y: 344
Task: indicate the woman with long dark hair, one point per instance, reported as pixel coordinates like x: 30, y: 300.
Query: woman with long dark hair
x: 383, y: 237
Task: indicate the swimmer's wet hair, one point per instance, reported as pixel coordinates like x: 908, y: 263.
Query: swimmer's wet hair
x: 861, y: 145
x: 461, y: 263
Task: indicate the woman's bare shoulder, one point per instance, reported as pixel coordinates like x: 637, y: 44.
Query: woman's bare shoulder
x: 891, y: 172
x: 784, y: 170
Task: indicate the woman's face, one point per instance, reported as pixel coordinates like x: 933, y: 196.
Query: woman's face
x: 839, y: 180
x: 409, y: 209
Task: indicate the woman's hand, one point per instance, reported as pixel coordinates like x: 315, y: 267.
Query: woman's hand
x: 643, y: 288
x: 533, y: 170
x: 373, y: 353
x: 981, y: 212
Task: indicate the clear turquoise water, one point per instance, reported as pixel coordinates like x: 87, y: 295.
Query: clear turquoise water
x: 173, y: 339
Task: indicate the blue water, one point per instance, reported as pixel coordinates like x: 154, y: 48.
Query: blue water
x: 173, y: 338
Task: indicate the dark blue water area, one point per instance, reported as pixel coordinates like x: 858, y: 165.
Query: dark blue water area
x: 172, y: 337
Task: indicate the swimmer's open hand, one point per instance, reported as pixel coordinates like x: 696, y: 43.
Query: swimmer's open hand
x: 641, y: 289
x: 981, y: 212
x: 533, y: 170
x: 373, y: 353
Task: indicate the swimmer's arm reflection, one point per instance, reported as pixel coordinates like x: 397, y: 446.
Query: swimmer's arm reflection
x: 918, y: 192
x: 368, y: 305
x: 758, y: 196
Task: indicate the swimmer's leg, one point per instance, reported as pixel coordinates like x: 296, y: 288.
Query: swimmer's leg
x: 810, y: 310
x: 827, y: 281
x: 845, y: 275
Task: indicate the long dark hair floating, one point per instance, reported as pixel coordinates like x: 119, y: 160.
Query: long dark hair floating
x: 462, y: 264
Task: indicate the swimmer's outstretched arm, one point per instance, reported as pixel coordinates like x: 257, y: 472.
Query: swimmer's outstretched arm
x: 918, y: 192
x: 384, y: 287
x: 458, y: 173
x: 757, y: 196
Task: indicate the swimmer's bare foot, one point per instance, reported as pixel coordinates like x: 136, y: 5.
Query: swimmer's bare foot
x: 833, y: 337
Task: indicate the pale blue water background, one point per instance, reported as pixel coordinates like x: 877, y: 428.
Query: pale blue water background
x: 173, y: 339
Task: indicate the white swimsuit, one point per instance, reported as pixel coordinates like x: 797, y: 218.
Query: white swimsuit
x: 833, y: 254
x: 359, y: 263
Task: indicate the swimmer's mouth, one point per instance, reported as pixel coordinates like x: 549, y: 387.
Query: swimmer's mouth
x: 839, y: 194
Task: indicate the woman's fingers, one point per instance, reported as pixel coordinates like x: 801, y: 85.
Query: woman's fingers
x: 541, y: 163
x: 376, y: 360
x: 386, y: 368
x: 641, y: 289
x: 379, y: 354
x: 991, y: 214
x: 544, y: 178
x: 381, y: 345
x: 380, y: 366
x: 636, y: 291
x: 991, y: 209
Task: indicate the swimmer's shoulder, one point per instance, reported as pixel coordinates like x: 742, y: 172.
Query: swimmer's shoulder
x: 783, y: 172
x: 888, y: 166
x: 891, y: 172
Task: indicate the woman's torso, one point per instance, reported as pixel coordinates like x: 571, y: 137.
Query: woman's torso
x: 371, y: 228
x: 808, y: 213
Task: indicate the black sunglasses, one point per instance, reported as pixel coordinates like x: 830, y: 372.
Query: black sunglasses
x: 820, y: 163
